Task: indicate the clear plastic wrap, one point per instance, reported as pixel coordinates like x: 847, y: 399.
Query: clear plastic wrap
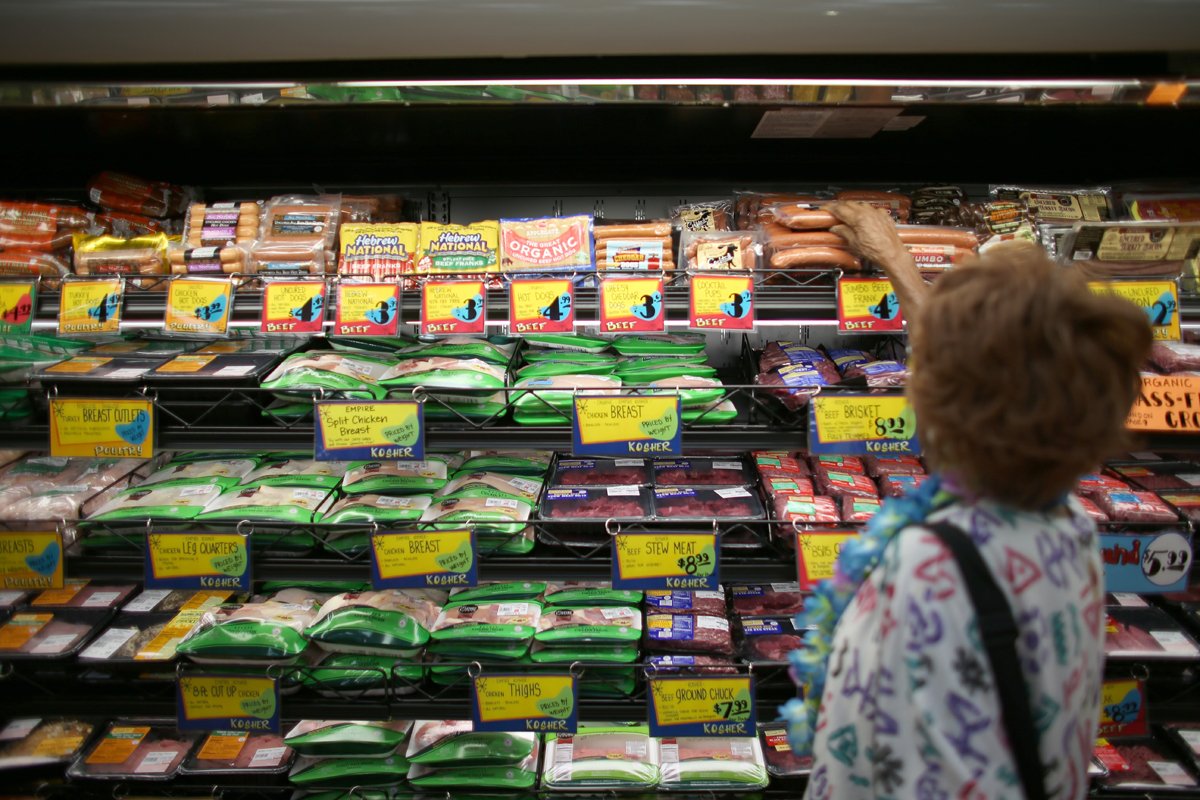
x: 134, y: 752
x: 689, y: 763
x: 218, y: 224
x: 601, y: 757
x: 705, y: 251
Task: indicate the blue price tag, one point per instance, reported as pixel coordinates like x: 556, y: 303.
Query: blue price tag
x: 1146, y: 563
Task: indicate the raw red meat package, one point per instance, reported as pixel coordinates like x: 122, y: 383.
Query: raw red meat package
x: 1123, y: 506
x: 733, y: 502
x: 859, y: 509
x: 798, y: 509
x: 1188, y: 503
x: 597, y: 504
x: 838, y: 483
x: 1091, y: 509
x: 839, y: 463
x: 688, y: 633
x: 774, y: 464
x: 133, y: 752
x: 694, y: 663
x: 796, y: 384
x: 878, y: 466
x: 1146, y: 633
x: 602, y: 472
x: 239, y: 753
x: 781, y: 761
x: 1150, y: 767
x: 764, y: 600
x: 897, y: 485
x: 674, y: 602
x: 789, y: 485
x: 48, y: 634
x: 1187, y: 736
x: 769, y: 639
x: 1175, y: 356
x: 701, y: 472
x: 1179, y: 477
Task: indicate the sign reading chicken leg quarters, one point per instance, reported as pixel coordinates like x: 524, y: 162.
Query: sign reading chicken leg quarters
x: 181, y: 560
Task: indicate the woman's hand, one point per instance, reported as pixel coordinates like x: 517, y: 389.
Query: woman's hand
x: 871, y: 233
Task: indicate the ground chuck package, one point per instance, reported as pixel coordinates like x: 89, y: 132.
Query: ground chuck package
x: 445, y: 743
x: 269, y: 632
x: 397, y: 477
x: 348, y: 772
x: 270, y: 503
x: 39, y: 742
x: 802, y: 509
x: 521, y: 775
x: 133, y: 752
x: 601, y: 757
x: 703, y: 762
x: 839, y: 483
x: 178, y: 502
x: 602, y: 472
x: 388, y: 622
x: 676, y: 602
x: 688, y: 633
x: 1146, y: 633
x: 83, y: 593
x: 345, y: 739
x: 511, y: 622
x: 599, y: 624
x: 237, y: 753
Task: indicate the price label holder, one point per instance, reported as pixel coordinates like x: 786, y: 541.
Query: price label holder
x: 90, y: 307
x: 868, y: 305
x: 451, y: 308
x: 816, y: 553
x: 702, y: 706
x: 1153, y: 562
x: 624, y: 425
x: 389, y: 430
x: 198, y: 306
x: 521, y: 703
x: 1123, y: 709
x: 424, y: 559
x: 720, y: 302
x: 186, y: 560
x: 294, y: 306
x: 228, y: 703
x: 644, y: 560
x: 367, y: 309
x: 1159, y: 299
x: 862, y: 425
x: 101, y: 427
x: 632, y: 305
x: 31, y: 560
x: 542, y: 305
x: 1166, y: 404
x: 18, y: 299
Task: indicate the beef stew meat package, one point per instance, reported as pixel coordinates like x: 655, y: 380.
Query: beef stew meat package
x: 1146, y: 633
x: 731, y: 502
x: 35, y: 742
x: 698, y: 472
x: 601, y: 757
x: 48, y: 634
x: 687, y: 633
x: 781, y: 761
x: 1128, y: 506
x: 767, y: 599
x: 705, y: 762
x: 84, y: 594
x: 679, y: 602
x: 239, y: 753
x: 1149, y: 766
x: 602, y: 472
x: 879, y: 466
x: 769, y: 639
x: 130, y: 751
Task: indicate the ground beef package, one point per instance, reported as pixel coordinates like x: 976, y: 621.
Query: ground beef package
x: 686, y: 633
x: 770, y: 599
x: 859, y: 509
x: 692, y: 664
x: 897, y: 485
x: 1095, y: 482
x: 878, y: 466
x: 1126, y: 506
x: 1146, y: 633
x: 776, y: 485
x: 1149, y: 767
x: 129, y: 751
x: 780, y: 465
x: 799, y: 509
x: 681, y: 602
x: 839, y: 483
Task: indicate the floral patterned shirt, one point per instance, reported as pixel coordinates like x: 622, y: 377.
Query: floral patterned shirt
x: 910, y: 708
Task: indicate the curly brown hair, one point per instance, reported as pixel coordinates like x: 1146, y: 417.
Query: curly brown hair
x: 1022, y: 378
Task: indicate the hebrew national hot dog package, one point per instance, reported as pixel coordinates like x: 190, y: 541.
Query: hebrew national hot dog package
x: 546, y: 244
x: 458, y: 249
x: 380, y: 251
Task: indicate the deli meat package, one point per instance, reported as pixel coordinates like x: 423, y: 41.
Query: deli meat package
x: 688, y: 633
x: 1146, y: 633
x: 132, y: 752
x: 782, y: 465
x: 601, y: 757
x: 733, y: 502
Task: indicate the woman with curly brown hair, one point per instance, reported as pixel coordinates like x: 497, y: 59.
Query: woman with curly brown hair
x: 1021, y: 380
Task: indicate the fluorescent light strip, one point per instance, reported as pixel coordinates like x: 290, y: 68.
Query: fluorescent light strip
x: 889, y: 82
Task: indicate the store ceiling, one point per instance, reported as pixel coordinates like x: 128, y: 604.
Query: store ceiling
x: 182, y: 31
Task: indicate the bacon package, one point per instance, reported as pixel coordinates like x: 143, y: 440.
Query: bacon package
x: 687, y: 633
x: 681, y: 503
x: 546, y: 244
x: 878, y: 466
x: 780, y: 465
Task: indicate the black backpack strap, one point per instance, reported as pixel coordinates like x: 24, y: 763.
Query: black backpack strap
x: 998, y: 631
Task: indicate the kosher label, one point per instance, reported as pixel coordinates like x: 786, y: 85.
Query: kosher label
x: 228, y: 703
x: 367, y: 309
x: 1123, y: 709
x: 17, y: 301
x: 665, y: 561
x: 1159, y: 299
x: 715, y: 706
x: 421, y: 559
x: 861, y: 425
x: 724, y: 302
x: 1166, y: 404
x: 631, y: 305
x: 198, y: 306
x: 816, y: 553
x: 1146, y: 563
x: 293, y: 307
x: 542, y: 703
x: 450, y: 308
x: 89, y: 307
x: 867, y: 304
x: 541, y: 306
x: 181, y: 560
x: 31, y: 560
x: 614, y: 425
x: 101, y: 427
x: 350, y: 430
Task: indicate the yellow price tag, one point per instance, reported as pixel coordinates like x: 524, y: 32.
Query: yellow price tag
x: 524, y: 702
x: 423, y: 558
x: 198, y: 306
x: 197, y: 560
x: 665, y: 561
x: 721, y: 705
x: 816, y: 553
x: 386, y: 429
x: 90, y: 307
x: 862, y: 424
x: 235, y: 703
x: 101, y: 427
x: 1159, y: 299
x: 621, y: 426
x: 31, y: 560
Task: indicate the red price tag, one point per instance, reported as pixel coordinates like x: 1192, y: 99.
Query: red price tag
x: 367, y: 309
x: 293, y: 307
x: 868, y: 305
x: 450, y: 308
x: 1123, y: 709
x: 721, y: 302
x: 632, y: 305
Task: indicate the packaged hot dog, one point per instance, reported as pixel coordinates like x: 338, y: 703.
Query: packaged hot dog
x: 23, y: 263
x: 895, y: 203
x: 1127, y: 249
x: 712, y: 215
x: 380, y: 252
x: 458, y: 249
x: 302, y: 220
x: 127, y: 225
x: 289, y: 258
x: 45, y: 220
x: 118, y: 192
x: 713, y: 250
x: 546, y: 244
x: 111, y: 255
x: 1060, y: 204
x: 634, y: 246
x: 221, y: 223
x: 226, y: 259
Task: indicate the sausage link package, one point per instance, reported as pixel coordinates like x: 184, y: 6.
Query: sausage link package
x: 447, y: 743
x: 389, y: 622
x: 112, y: 255
x: 380, y: 251
x: 676, y: 602
x: 688, y: 763
x: 767, y: 599
x: 134, y: 752
x: 270, y: 632
x: 221, y: 223
x: 511, y: 622
x: 585, y: 594
x: 347, y: 739
x: 699, y: 472
x: 26, y: 743
x: 546, y: 244
x: 601, y: 757
x: 348, y: 772
x: 602, y: 472
x: 565, y: 627
x: 119, y: 192
x: 703, y: 251
x: 397, y: 477
x: 246, y: 755
x: 521, y: 775
x: 712, y: 215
